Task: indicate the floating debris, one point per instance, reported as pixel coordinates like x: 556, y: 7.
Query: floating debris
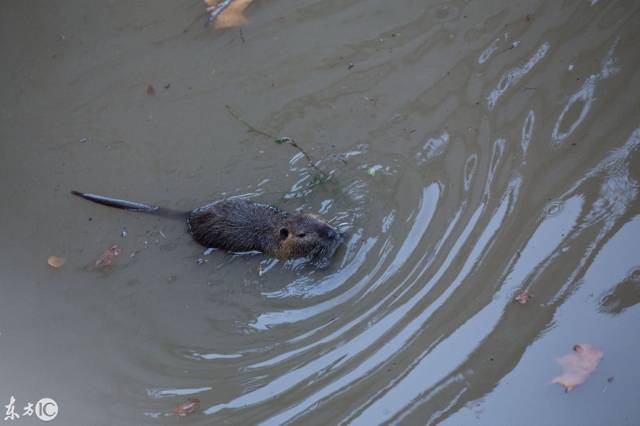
x: 578, y: 365
x: 106, y: 259
x: 187, y: 408
x: 226, y: 13
x: 522, y: 298
x: 56, y: 261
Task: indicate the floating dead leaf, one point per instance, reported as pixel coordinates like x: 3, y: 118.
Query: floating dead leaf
x: 56, y: 261
x: 187, y: 408
x: 578, y: 365
x: 151, y: 91
x: 106, y: 259
x: 522, y: 298
x: 227, y: 13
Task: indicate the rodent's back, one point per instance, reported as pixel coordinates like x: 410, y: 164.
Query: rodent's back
x: 237, y: 225
x: 240, y: 225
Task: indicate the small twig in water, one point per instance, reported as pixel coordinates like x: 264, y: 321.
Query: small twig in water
x: 280, y: 141
x: 310, y: 160
x: 247, y: 125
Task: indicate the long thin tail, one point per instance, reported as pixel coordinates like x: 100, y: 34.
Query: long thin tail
x: 130, y: 205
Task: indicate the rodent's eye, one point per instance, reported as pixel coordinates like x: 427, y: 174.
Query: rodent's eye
x: 302, y: 235
x: 284, y: 233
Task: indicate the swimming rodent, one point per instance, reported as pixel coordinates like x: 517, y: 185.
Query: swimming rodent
x: 237, y: 225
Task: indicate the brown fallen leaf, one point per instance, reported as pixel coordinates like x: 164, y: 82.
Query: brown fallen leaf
x: 106, y: 259
x: 578, y: 365
x: 151, y: 91
x: 522, y: 298
x: 227, y: 13
x: 56, y: 261
x: 187, y: 408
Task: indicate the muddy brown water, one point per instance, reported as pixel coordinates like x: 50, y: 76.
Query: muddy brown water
x: 476, y: 149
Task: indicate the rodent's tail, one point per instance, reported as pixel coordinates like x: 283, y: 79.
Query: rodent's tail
x: 131, y: 205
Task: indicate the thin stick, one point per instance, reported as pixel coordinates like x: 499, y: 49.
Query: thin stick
x: 247, y: 124
x: 282, y: 140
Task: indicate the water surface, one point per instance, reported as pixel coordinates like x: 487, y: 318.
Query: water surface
x: 476, y: 150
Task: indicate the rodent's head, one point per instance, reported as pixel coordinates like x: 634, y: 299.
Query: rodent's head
x: 305, y: 235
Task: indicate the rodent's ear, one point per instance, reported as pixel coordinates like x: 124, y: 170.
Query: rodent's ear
x: 284, y: 233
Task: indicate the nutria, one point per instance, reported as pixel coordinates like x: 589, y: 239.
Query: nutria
x: 238, y: 225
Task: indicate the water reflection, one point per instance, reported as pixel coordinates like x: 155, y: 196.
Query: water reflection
x: 585, y: 95
x: 623, y: 296
x: 514, y: 75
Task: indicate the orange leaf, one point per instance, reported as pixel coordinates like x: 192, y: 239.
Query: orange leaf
x: 186, y: 408
x: 227, y: 13
x: 578, y: 366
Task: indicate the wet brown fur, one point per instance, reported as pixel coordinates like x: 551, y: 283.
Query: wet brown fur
x: 241, y: 225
